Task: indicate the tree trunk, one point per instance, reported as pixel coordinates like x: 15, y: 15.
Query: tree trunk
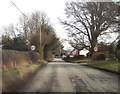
x: 41, y: 53
x: 93, y: 44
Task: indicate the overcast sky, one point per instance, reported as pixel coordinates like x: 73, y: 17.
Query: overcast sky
x: 53, y: 9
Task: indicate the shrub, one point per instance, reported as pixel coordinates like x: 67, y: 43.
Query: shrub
x: 17, y: 43
x: 118, y: 54
x: 117, y: 50
x: 34, y: 56
x: 12, y: 58
x: 99, y: 56
x: 88, y: 55
x: 110, y: 56
x: 70, y: 59
x: 67, y: 59
x: 78, y: 56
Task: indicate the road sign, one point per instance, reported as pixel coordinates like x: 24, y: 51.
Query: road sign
x: 33, y: 47
x: 95, y: 49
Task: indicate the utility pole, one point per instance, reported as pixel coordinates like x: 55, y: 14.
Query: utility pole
x: 41, y: 53
x: 40, y: 36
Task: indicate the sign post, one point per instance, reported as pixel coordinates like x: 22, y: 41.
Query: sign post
x: 95, y: 49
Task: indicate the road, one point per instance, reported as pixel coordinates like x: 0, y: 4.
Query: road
x: 59, y: 76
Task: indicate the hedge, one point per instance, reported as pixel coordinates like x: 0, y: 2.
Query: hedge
x: 12, y: 58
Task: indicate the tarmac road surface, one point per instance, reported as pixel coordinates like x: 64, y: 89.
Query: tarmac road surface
x: 59, y: 76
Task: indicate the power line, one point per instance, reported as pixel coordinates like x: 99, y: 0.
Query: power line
x: 17, y: 8
x: 27, y: 18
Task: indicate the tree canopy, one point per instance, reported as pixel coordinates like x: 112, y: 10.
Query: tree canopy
x: 34, y: 29
x: 86, y: 21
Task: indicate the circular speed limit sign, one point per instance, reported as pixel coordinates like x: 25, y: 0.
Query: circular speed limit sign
x: 33, y: 47
x: 95, y: 49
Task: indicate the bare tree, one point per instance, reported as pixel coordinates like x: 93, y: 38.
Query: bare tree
x: 24, y: 26
x: 40, y: 23
x: 10, y: 30
x: 87, y: 21
x: 36, y: 29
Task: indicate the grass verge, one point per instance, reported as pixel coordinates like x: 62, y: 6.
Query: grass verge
x: 15, y: 77
x: 108, y: 65
x: 81, y: 61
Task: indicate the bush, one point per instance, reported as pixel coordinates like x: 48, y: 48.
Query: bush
x: 12, y: 58
x: 34, y: 56
x: 118, y: 55
x: 99, y: 56
x: 17, y: 43
x: 110, y: 56
x: 78, y: 56
x: 67, y: 59
x: 70, y: 59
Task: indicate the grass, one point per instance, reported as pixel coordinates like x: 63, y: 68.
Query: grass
x: 109, y: 65
x: 81, y: 61
x: 14, y: 76
x: 37, y: 63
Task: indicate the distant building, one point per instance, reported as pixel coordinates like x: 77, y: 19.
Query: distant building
x: 82, y: 52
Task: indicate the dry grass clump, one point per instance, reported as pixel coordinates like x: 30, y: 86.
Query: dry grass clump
x: 17, y: 67
x: 12, y: 58
x: 13, y: 78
